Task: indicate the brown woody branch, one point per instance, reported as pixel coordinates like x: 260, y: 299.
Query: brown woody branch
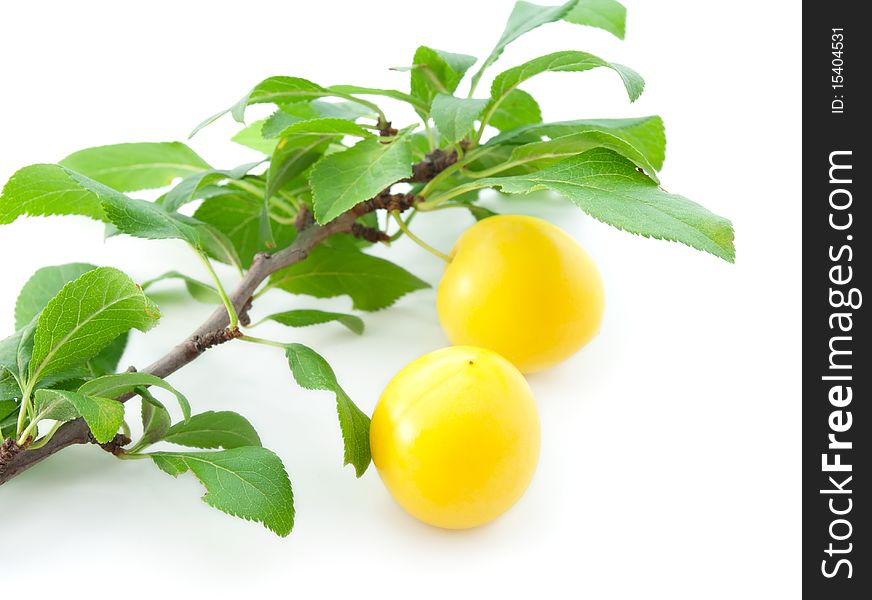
x: 211, y: 333
x: 214, y: 331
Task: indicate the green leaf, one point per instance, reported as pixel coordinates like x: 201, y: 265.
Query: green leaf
x: 342, y: 180
x: 155, y: 420
x: 608, y: 187
x: 278, y: 90
x: 106, y: 361
x: 237, y: 216
x: 455, y: 117
x: 187, y: 189
x: 223, y: 429
x: 292, y: 158
x: 605, y: 14
x: 312, y: 372
x: 525, y: 17
x: 517, y: 109
x: 350, y: 111
x: 85, y: 316
x: 316, y: 109
x: 9, y: 388
x: 42, y: 287
x: 42, y: 190
x: 250, y: 483
x: 132, y: 167
x: 288, y: 90
x: 150, y: 220
x: 103, y: 416
x: 437, y: 71
x: 7, y: 407
x: 118, y: 384
x: 252, y: 137
x: 54, y: 405
x: 569, y: 60
x: 646, y: 134
x: 307, y: 317
x: 320, y: 127
x: 539, y: 155
x: 16, y: 349
x: 198, y: 290
x: 416, y: 103
x: 372, y: 283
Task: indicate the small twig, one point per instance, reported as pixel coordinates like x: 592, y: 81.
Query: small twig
x: 214, y: 330
x: 370, y: 234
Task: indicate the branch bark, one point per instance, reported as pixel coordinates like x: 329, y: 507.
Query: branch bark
x: 213, y: 331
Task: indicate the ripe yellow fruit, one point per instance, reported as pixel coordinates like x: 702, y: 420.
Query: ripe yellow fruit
x: 455, y: 437
x: 523, y: 288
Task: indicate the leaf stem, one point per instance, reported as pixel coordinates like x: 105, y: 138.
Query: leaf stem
x: 448, y: 195
x: 26, y: 392
x: 265, y: 342
x: 418, y: 240
x: 47, y: 437
x: 34, y: 422
x: 231, y: 311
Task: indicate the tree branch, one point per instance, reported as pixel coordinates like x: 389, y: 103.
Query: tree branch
x: 212, y: 332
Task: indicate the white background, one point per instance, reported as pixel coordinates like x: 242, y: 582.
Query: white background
x: 670, y: 456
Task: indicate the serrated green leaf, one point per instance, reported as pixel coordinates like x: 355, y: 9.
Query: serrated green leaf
x: 525, y: 17
x: 149, y: 220
x: 85, y: 316
x: 517, y: 109
x: 118, y: 384
x: 55, y: 405
x: 307, y: 317
x: 569, y: 60
x: 42, y: 286
x: 646, y: 134
x: 348, y: 90
x: 435, y: 71
x: 312, y: 372
x: 372, y: 283
x: 250, y: 483
x: 132, y: 167
x: 604, y: 14
x: 288, y: 90
x: 103, y: 416
x: 609, y: 188
x: 42, y: 190
x: 539, y: 155
x: 455, y: 117
x: 106, y: 361
x: 8, y: 425
x: 223, y: 429
x: 187, y: 189
x: 316, y: 109
x: 155, y: 420
x: 292, y: 157
x: 237, y: 216
x: 342, y: 180
x: 198, y: 290
x: 278, y: 90
x: 320, y: 127
x: 7, y: 407
x: 252, y: 137
x: 9, y: 388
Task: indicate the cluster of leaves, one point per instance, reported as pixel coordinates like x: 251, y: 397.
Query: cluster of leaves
x: 327, y: 150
